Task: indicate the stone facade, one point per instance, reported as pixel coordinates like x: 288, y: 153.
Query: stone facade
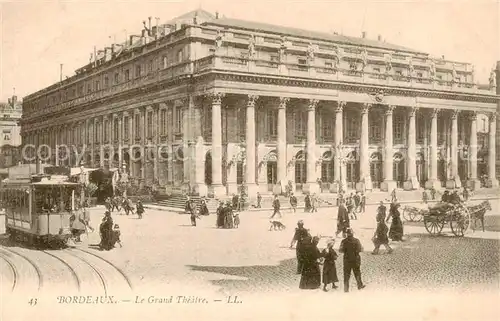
x: 209, y: 107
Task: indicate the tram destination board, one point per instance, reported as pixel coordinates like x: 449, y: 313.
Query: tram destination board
x: 57, y: 170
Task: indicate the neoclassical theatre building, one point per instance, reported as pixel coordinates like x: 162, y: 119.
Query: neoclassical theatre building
x: 210, y: 105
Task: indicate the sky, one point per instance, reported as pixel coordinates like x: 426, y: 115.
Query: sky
x: 37, y: 36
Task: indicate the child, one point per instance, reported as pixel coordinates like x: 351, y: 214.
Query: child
x: 139, y: 209
x: 116, y: 234
x: 329, y: 268
x: 236, y: 217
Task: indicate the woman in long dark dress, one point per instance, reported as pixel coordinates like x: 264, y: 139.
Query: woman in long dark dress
x: 329, y: 268
x: 396, y: 230
x: 220, y: 215
x: 105, y: 230
x: 311, y: 275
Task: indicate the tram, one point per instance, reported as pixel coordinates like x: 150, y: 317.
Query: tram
x: 38, y: 206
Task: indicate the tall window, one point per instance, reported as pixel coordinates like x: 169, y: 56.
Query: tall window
x: 116, y: 129
x: 97, y: 85
x: 89, y: 133
x: 398, y: 129
x: 117, y: 78
x: 300, y: 172
x: 127, y: 75
x: 420, y: 127
x: 352, y: 128
x: 326, y: 126
x: 165, y: 62
x: 239, y: 173
x: 106, y: 82
x: 106, y: 130
x: 150, y: 66
x: 163, y: 122
x: 375, y: 129
x: 300, y: 124
x: 180, y: 56
x: 150, y: 123
x: 137, y: 71
x: 178, y: 119
x: 272, y: 123
x: 98, y: 132
x: 126, y: 127
x: 137, y: 125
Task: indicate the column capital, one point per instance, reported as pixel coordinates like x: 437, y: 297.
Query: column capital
x: 340, y: 106
x: 473, y: 115
x: 413, y: 110
x: 312, y: 104
x: 252, y: 99
x: 493, y: 116
x: 365, y: 107
x: 454, y: 114
x: 389, y: 109
x: 216, y: 97
x: 435, y: 112
x: 283, y: 101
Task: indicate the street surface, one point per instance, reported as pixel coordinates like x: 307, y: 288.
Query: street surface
x: 162, y: 254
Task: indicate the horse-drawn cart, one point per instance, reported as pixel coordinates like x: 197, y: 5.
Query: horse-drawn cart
x: 413, y: 214
x: 458, y: 216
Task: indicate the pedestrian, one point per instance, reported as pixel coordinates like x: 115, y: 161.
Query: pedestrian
x: 220, y: 215
x: 314, y: 203
x: 203, y: 208
x: 236, y: 220
x: 433, y: 193
x: 293, y: 202
x: 425, y: 198
x: 396, y: 230
x: 350, y: 207
x: 329, y: 268
x: 310, y: 278
x: 276, y: 207
x: 107, y: 204
x: 380, y: 235
x: 228, y: 216
x: 394, y: 197
x: 259, y: 200
x: 115, y: 204
x: 77, y: 223
x: 139, y: 208
x: 307, y: 203
x: 105, y: 231
x: 381, y: 211
x: 465, y: 194
x: 362, y: 202
x: 235, y: 201
x: 116, y: 235
x: 299, y: 238
x: 193, y: 217
x: 343, y: 222
x: 351, y: 247
x: 357, y: 201
x: 340, y: 198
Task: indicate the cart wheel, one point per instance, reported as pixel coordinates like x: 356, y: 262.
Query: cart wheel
x: 407, y: 214
x: 461, y: 222
x: 433, y: 224
x: 413, y: 216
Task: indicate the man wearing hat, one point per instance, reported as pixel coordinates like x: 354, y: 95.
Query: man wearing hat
x: 343, y: 221
x: 300, y: 237
x: 351, y: 247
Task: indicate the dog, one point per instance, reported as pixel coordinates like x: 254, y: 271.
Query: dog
x: 277, y: 226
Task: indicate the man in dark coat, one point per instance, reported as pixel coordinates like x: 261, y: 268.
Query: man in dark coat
x: 300, y: 236
x: 220, y: 215
x: 259, y: 200
x: 381, y: 211
x: 106, y: 229
x: 343, y: 221
x: 293, y: 202
x: 362, y: 203
x: 235, y: 201
x: 351, y: 247
x: 380, y: 236
x: 276, y: 207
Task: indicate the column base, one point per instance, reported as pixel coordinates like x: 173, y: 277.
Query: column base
x: 388, y: 186
x: 219, y: 190
x: 311, y: 188
x: 200, y: 189
x: 411, y: 184
x: 252, y: 190
x: 492, y: 183
x: 430, y: 184
x: 453, y: 183
x: 473, y: 184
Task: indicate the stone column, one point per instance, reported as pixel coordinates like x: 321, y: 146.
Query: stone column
x: 412, y: 182
x: 281, y: 144
x: 339, y: 178
x: 433, y: 181
x: 388, y: 184
x: 252, y: 187
x: 120, y: 141
x: 492, y: 180
x: 101, y: 141
x: 219, y: 189
x: 454, y: 180
x: 311, y: 185
x: 155, y: 142
x: 143, y: 135
x: 473, y: 181
x: 364, y: 153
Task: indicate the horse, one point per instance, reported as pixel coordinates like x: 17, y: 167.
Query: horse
x: 478, y: 211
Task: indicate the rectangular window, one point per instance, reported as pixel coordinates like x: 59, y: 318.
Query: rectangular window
x: 125, y: 127
x: 150, y: 66
x: 106, y: 82
x: 117, y: 78
x: 398, y: 129
x: 106, y: 130
x: 352, y: 129
x: 420, y: 127
x: 163, y: 122
x: 137, y: 125
x: 89, y: 133
x: 97, y: 85
x: 272, y: 123
x: 178, y: 119
x: 165, y: 62
x: 116, y: 128
x: 89, y: 88
x: 137, y: 71
x: 239, y: 173
x: 376, y: 70
x: 97, y: 136
x: 328, y: 64
x: 80, y: 90
x: 150, y: 123
x: 180, y: 55
x: 127, y: 75
x: 300, y: 124
x: 302, y: 61
x: 300, y: 172
x: 326, y: 126
x: 274, y: 58
x: 375, y: 128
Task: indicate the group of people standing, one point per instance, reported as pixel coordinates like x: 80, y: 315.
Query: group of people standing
x: 310, y: 258
x: 227, y: 216
x: 119, y: 203
x: 354, y: 202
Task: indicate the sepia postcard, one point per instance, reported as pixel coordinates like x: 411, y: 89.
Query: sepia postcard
x: 249, y: 160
